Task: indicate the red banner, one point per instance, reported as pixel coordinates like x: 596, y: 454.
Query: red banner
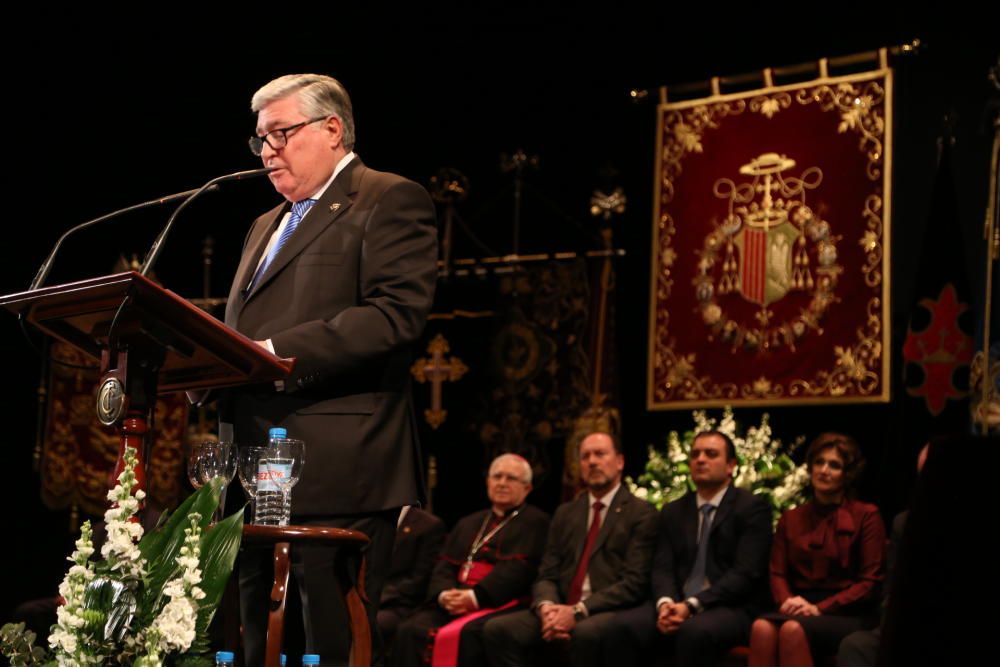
x: 79, y: 454
x: 770, y: 280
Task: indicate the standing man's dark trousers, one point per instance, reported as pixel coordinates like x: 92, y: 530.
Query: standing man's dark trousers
x: 515, y: 640
x: 700, y: 641
x: 313, y: 569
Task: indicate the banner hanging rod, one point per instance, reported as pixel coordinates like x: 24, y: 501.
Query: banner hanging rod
x: 770, y: 76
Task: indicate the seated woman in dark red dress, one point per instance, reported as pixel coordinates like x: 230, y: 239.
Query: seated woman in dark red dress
x: 826, y: 563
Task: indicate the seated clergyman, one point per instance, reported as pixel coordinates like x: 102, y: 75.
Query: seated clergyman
x: 487, y: 566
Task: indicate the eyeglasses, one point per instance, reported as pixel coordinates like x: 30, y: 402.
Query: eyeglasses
x: 502, y: 476
x: 278, y: 137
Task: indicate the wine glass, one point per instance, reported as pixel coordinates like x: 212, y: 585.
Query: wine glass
x: 248, y: 467
x: 217, y: 459
x: 194, y: 466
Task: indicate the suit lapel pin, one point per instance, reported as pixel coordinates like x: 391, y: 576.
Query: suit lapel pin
x: 618, y: 510
x: 334, y: 206
x: 406, y: 529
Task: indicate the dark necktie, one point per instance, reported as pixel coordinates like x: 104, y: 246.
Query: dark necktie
x: 696, y: 582
x: 576, y: 585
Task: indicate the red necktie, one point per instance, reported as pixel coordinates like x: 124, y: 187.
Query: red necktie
x: 576, y: 585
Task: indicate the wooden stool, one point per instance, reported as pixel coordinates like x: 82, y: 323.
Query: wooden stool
x: 353, y: 587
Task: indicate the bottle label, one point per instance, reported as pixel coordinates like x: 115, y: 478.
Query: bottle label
x: 272, y: 473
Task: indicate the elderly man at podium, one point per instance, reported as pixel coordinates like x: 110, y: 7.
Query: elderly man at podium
x: 340, y: 275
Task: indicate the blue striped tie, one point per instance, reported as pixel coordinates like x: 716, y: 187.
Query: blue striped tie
x: 299, y: 210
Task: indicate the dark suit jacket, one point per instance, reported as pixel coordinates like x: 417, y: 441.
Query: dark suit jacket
x: 619, y: 563
x: 514, y: 553
x: 738, y: 550
x: 346, y: 296
x: 418, y: 542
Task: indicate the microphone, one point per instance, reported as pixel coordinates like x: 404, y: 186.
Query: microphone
x: 154, y: 251
x: 46, y: 267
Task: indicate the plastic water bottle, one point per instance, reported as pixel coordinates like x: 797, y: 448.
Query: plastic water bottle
x: 270, y: 499
x: 286, y: 497
x: 285, y: 466
x: 310, y: 659
x: 224, y: 659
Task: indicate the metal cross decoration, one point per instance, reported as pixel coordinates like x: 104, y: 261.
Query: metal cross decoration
x: 437, y: 369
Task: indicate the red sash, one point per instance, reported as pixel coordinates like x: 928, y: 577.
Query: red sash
x: 473, y: 573
x: 445, y: 650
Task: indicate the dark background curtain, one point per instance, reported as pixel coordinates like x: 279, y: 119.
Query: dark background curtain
x: 127, y: 115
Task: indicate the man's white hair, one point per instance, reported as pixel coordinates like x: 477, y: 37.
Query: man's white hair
x: 319, y: 96
x: 519, y: 460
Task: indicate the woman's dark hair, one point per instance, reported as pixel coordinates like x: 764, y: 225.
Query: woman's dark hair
x: 847, y: 447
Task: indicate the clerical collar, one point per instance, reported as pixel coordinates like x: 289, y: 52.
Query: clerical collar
x: 482, y: 537
x: 508, y: 512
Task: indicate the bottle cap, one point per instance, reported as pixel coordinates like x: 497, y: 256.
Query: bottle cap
x: 310, y: 659
x: 277, y: 432
x: 225, y: 656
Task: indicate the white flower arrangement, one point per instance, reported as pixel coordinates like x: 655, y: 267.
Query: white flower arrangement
x: 69, y: 617
x: 150, y: 599
x: 174, y: 628
x: 764, y: 466
x: 121, y: 549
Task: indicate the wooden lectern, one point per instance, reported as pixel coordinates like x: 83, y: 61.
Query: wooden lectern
x: 151, y: 341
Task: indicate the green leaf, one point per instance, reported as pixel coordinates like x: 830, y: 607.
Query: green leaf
x: 219, y: 546
x: 161, y: 547
x: 14, y: 633
x: 785, y: 462
x: 18, y: 645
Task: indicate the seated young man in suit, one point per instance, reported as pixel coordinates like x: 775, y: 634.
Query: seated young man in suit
x: 709, y: 569
x: 596, y: 561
